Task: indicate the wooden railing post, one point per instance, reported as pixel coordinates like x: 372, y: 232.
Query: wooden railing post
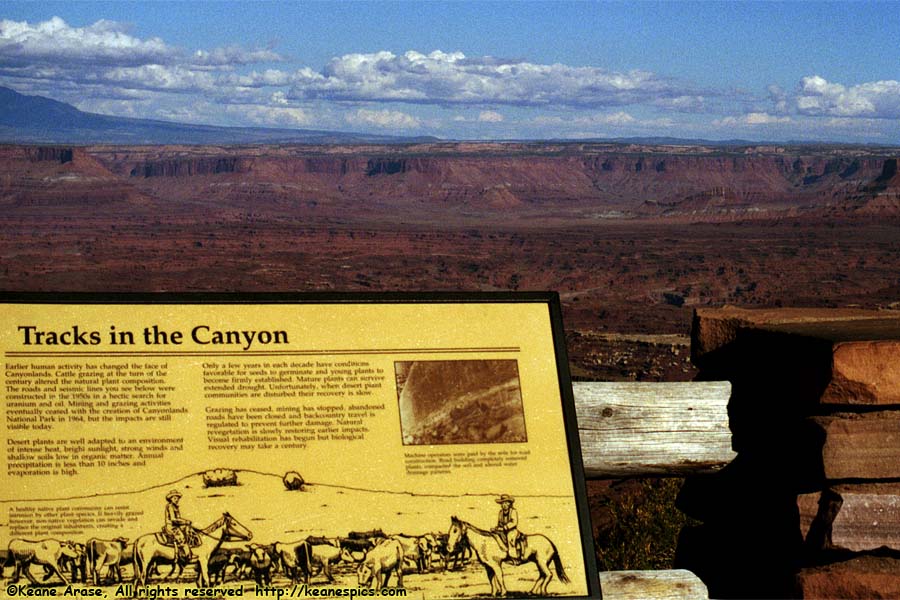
x: 651, y: 430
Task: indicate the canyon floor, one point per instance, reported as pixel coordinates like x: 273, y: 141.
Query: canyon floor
x: 628, y: 289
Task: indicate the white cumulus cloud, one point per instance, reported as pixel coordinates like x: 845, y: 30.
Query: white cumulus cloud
x: 234, y: 55
x: 620, y: 118
x: 449, y: 78
x: 752, y: 119
x: 687, y: 103
x: 490, y: 116
x: 388, y: 119
x: 819, y: 97
x: 272, y: 116
x: 616, y: 119
x: 268, y: 78
x: 158, y: 77
x: 104, y: 42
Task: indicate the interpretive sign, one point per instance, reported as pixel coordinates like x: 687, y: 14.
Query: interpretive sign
x: 290, y: 445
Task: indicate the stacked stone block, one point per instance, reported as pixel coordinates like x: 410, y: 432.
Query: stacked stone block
x: 810, y: 508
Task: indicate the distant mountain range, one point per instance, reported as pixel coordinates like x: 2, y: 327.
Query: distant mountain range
x: 39, y: 120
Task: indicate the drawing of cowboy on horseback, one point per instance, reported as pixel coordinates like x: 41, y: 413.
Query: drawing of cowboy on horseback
x: 507, y: 527
x: 176, y: 529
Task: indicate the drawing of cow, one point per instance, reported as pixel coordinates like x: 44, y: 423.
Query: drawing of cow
x: 104, y: 558
x: 24, y: 553
x: 414, y: 550
x: 77, y: 566
x: 286, y: 556
x: 261, y: 565
x: 378, y: 564
x: 317, y: 551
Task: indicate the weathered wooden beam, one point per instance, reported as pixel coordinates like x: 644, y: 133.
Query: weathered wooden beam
x: 861, y: 446
x: 677, y: 584
x: 653, y: 429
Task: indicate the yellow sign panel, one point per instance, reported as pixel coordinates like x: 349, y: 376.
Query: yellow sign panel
x: 289, y: 445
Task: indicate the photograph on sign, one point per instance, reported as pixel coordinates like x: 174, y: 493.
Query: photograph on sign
x: 420, y: 444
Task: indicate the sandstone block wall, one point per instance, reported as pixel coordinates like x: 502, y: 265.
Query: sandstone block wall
x: 810, y: 508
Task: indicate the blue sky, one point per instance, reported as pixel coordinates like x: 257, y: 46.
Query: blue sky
x: 772, y: 71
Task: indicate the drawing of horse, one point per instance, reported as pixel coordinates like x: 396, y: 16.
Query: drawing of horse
x: 537, y: 549
x: 224, y: 529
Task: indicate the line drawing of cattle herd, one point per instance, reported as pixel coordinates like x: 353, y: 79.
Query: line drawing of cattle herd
x: 227, y: 553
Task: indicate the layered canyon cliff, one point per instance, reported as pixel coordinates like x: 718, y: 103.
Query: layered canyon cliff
x: 536, y: 183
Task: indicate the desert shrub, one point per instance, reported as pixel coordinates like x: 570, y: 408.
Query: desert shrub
x: 293, y: 481
x: 220, y: 477
x: 644, y: 528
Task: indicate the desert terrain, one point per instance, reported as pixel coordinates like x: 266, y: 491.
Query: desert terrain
x: 632, y: 237
x: 630, y: 248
